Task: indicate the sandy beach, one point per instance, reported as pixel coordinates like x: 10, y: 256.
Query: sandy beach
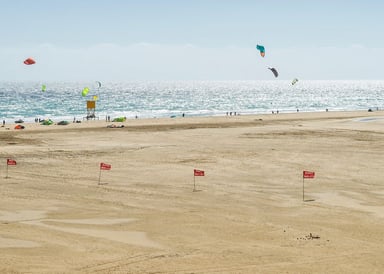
x: 61, y: 214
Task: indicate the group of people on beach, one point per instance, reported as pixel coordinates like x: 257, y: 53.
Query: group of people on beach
x: 38, y: 120
x: 234, y: 113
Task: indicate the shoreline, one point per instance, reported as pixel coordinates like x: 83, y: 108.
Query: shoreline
x: 238, y: 120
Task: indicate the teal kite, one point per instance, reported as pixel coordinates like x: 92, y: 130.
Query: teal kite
x: 261, y: 49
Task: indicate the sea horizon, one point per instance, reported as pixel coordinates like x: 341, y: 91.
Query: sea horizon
x: 158, y: 99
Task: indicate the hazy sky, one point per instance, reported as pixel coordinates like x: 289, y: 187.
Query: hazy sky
x: 117, y: 40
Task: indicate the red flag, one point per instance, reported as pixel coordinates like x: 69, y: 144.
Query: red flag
x: 197, y: 172
x: 308, y: 174
x: 104, y: 166
x: 11, y: 162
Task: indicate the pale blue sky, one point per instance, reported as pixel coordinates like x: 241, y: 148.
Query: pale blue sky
x: 119, y: 40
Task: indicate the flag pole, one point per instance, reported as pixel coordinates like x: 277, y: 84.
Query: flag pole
x: 99, y: 176
x: 6, y: 176
x: 307, y: 175
x: 194, y: 182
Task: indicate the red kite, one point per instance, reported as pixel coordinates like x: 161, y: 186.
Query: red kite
x: 29, y: 61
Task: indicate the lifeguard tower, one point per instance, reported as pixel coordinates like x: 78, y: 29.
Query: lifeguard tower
x: 91, y: 107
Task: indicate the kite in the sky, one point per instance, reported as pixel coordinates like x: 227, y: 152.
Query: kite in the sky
x: 274, y: 72
x: 261, y: 49
x: 294, y: 81
x: 29, y: 61
x: 85, y: 91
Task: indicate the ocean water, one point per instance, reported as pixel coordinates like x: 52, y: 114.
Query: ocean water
x: 63, y: 100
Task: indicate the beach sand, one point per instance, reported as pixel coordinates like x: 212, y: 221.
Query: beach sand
x: 247, y: 215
